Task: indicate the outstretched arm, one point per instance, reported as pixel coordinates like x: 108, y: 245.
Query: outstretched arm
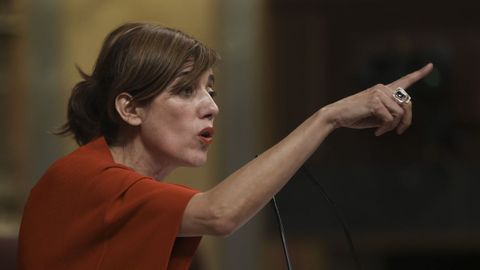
x: 231, y: 203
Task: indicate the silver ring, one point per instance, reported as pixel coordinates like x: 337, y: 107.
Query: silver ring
x: 401, y: 96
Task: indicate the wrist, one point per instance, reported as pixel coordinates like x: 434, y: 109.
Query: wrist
x: 327, y: 117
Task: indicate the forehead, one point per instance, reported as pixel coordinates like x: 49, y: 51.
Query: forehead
x: 187, y: 68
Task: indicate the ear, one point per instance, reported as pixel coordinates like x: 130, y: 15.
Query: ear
x: 128, y: 110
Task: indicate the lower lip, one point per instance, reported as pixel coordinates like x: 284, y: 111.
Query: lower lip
x: 205, y: 140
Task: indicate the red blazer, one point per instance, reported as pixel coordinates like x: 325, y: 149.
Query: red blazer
x: 88, y: 212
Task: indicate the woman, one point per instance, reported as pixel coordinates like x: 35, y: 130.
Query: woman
x: 147, y: 109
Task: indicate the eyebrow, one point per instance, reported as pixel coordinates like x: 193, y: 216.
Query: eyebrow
x: 185, y: 70
x: 182, y: 73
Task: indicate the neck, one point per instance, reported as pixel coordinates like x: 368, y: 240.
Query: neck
x: 133, y: 154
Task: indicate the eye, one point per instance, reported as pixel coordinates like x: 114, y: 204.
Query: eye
x: 211, y: 92
x: 186, y: 91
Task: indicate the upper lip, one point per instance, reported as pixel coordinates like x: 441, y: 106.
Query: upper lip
x: 207, y: 132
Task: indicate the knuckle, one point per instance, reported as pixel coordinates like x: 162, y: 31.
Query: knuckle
x: 377, y: 91
x: 405, y: 122
x: 375, y: 87
x: 390, y: 118
x: 400, y: 111
x: 376, y: 102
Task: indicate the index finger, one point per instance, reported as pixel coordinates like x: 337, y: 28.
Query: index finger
x: 411, y: 78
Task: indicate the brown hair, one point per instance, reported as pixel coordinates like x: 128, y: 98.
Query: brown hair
x: 137, y: 58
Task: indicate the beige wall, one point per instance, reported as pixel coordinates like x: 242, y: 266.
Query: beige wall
x: 14, y: 165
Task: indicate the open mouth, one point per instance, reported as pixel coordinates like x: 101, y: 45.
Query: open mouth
x: 206, y: 135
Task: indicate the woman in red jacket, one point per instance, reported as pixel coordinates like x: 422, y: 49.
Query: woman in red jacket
x: 147, y: 109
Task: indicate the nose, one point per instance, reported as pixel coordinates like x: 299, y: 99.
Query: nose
x: 209, y: 108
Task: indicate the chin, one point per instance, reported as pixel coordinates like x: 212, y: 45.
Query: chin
x: 197, y: 160
x: 196, y: 163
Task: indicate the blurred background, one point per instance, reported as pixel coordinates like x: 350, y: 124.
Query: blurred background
x: 411, y: 202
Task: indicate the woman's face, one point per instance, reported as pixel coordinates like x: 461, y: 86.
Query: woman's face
x: 177, y: 128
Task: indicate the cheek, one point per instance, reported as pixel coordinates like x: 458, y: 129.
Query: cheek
x: 170, y: 128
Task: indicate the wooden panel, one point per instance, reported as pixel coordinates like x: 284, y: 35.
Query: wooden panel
x: 424, y: 181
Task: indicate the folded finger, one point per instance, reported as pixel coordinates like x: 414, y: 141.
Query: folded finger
x: 383, y: 114
x: 395, y: 110
x: 406, y: 119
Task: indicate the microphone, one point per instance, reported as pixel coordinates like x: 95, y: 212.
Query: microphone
x: 332, y: 206
x: 339, y: 218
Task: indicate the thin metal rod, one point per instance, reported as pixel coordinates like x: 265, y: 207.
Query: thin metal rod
x: 282, y: 234
x: 337, y: 215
